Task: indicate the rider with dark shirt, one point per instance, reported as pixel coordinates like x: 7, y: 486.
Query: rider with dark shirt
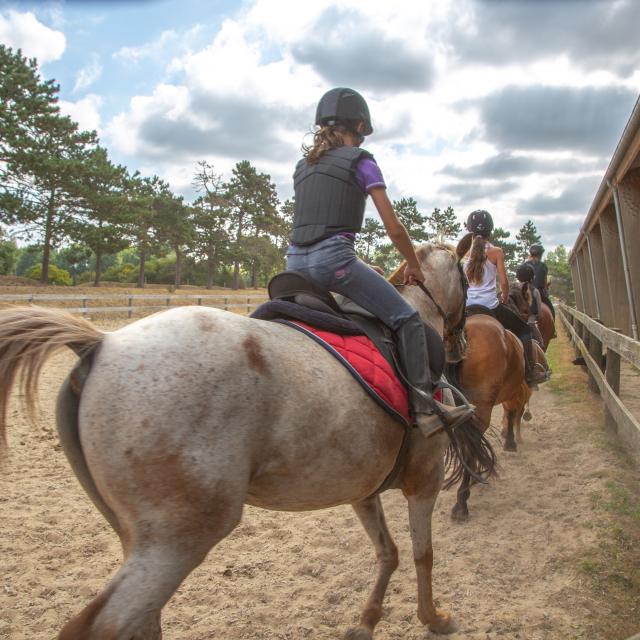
x: 331, y: 183
x: 540, y: 274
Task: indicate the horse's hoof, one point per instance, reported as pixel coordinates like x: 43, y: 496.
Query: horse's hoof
x: 443, y: 623
x: 358, y: 633
x: 459, y: 514
x: 526, y: 416
x: 510, y: 446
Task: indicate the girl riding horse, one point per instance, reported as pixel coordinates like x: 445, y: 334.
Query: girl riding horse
x: 331, y: 183
x: 483, y: 265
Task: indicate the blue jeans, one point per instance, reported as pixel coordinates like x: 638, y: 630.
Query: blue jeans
x: 333, y: 265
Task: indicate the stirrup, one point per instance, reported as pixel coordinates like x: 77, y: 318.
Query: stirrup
x: 432, y: 423
x: 443, y: 384
x: 447, y: 417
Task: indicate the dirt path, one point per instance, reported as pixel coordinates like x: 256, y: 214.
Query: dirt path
x: 515, y: 571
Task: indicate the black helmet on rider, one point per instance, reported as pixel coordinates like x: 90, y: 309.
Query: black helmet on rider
x: 346, y: 107
x: 480, y: 223
x: 536, y: 250
x: 525, y: 272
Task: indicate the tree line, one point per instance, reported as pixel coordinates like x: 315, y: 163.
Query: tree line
x: 59, y: 187
x: 88, y: 217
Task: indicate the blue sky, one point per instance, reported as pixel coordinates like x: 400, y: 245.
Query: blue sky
x: 512, y: 106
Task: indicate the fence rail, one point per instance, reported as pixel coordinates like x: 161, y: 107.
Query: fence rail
x: 221, y: 302
x: 602, y: 349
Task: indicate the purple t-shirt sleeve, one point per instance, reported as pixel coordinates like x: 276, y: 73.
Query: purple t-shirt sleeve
x: 368, y: 175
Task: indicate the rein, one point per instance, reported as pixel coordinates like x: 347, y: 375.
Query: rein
x: 445, y: 316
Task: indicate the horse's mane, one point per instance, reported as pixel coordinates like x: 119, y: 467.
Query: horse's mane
x: 422, y: 251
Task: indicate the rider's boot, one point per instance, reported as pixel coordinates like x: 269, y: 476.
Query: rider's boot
x: 534, y: 373
x: 430, y: 415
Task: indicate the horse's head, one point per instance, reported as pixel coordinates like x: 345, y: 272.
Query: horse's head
x: 442, y: 301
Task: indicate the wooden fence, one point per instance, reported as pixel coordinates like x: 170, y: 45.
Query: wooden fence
x: 230, y: 302
x: 602, y: 349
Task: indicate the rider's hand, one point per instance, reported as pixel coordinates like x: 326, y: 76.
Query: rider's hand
x: 413, y: 275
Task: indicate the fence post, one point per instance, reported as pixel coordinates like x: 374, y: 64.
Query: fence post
x: 612, y: 374
x: 168, y: 302
x: 130, y: 299
x: 200, y: 301
x: 595, y: 351
x: 226, y: 304
x: 248, y: 305
x: 84, y: 307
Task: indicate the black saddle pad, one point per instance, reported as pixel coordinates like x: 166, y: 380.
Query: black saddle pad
x: 294, y: 298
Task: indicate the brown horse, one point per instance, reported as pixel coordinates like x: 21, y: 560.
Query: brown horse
x: 491, y: 373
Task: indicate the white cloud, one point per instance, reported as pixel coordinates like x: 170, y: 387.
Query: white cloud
x: 24, y: 31
x: 250, y: 95
x: 147, y: 50
x: 168, y: 41
x: 88, y: 74
x: 85, y: 112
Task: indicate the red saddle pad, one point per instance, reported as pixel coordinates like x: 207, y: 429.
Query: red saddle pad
x: 361, y: 357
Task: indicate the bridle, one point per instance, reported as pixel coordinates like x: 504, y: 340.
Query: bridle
x: 456, y: 330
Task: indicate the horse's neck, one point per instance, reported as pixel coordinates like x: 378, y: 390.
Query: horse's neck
x: 421, y: 303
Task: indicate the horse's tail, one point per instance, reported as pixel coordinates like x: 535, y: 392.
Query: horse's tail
x: 469, y: 450
x: 28, y: 336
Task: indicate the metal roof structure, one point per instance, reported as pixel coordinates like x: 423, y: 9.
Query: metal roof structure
x: 605, y: 259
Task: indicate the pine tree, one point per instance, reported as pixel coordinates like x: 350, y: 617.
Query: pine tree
x: 101, y: 216
x: 443, y: 225
x: 285, y: 225
x: 253, y: 212
x: 8, y: 254
x: 74, y: 259
x: 143, y: 196
x: 499, y: 239
x: 527, y: 236
x: 387, y: 257
x: 210, y: 214
x: 174, y: 226
x: 559, y: 274
x: 415, y: 223
x: 368, y: 238
x: 41, y: 153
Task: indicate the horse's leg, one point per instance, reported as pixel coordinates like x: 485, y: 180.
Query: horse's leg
x: 509, y: 441
x: 518, y: 424
x: 460, y: 511
x: 372, y: 517
x: 162, y: 547
x: 420, y: 510
x: 505, y: 421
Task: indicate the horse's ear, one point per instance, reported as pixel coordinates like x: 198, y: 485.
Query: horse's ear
x: 464, y: 245
x: 397, y: 277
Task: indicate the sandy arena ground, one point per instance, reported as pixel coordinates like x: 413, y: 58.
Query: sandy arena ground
x: 510, y: 573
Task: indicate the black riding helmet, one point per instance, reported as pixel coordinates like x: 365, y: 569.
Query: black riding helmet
x: 536, y: 250
x: 525, y: 272
x: 343, y: 106
x: 480, y: 223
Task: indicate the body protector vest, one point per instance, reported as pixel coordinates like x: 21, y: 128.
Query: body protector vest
x: 328, y: 200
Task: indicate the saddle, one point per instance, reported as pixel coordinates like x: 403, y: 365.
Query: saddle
x: 293, y: 297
